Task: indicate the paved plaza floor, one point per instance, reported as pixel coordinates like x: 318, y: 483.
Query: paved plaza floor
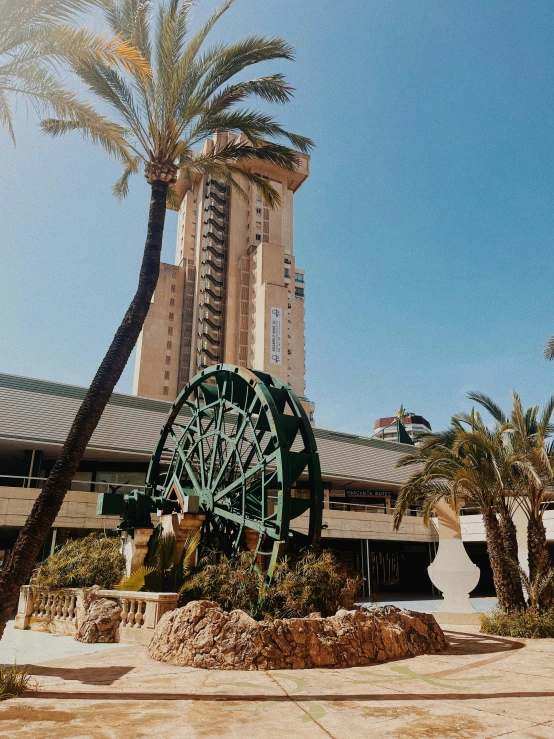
x: 483, y: 687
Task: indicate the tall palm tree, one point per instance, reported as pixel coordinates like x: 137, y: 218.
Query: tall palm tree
x: 36, y: 36
x: 159, y: 121
x: 471, y: 462
x: 531, y: 432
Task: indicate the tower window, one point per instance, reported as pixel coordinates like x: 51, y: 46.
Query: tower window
x: 171, y: 316
x: 259, y: 211
x: 167, y: 359
x: 166, y: 375
x: 172, y: 288
x: 172, y: 301
x: 169, y: 344
x: 166, y: 390
x: 258, y: 237
x: 170, y: 330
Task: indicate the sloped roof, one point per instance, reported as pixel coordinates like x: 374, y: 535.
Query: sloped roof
x: 40, y: 412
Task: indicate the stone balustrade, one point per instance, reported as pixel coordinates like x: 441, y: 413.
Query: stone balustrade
x: 63, y: 611
x: 140, y: 612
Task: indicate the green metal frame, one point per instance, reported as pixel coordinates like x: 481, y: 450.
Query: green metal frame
x: 229, y: 440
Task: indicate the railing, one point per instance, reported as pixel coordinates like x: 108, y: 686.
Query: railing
x: 370, y: 508
x: 140, y: 612
x: 215, y: 238
x: 55, y: 611
x: 63, y: 611
x: 98, y: 485
x: 212, y: 222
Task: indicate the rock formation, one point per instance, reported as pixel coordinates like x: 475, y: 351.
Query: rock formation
x: 202, y: 634
x: 101, y: 622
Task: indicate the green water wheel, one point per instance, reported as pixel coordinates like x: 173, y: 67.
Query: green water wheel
x: 241, y: 442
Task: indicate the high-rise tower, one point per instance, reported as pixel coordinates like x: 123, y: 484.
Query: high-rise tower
x: 234, y: 293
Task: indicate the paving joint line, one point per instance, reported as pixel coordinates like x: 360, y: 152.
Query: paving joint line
x: 508, y: 733
x: 297, y: 704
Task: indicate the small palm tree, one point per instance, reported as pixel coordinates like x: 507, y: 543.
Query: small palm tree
x: 35, y: 37
x: 472, y: 463
x: 159, y: 121
x: 534, y: 476
x: 401, y: 413
x: 535, y: 587
x: 161, y: 572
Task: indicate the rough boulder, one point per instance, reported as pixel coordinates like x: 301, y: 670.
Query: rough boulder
x: 203, y: 635
x: 100, y: 623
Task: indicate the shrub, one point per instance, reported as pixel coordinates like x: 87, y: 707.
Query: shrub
x: 315, y: 582
x: 312, y: 582
x: 13, y: 682
x: 82, y: 563
x: 529, y: 624
x: 231, y: 581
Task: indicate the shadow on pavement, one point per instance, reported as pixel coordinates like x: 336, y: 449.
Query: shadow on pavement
x: 468, y: 643
x: 85, y: 675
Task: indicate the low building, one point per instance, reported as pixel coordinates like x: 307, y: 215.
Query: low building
x: 360, y: 481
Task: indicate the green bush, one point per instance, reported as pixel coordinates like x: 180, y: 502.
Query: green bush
x: 13, y: 682
x: 312, y: 582
x: 529, y: 624
x: 82, y: 563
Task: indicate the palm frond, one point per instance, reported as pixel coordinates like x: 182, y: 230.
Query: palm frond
x: 120, y: 188
x: 6, y: 118
x: 548, y: 351
x: 488, y: 403
x: 136, y: 580
x: 101, y: 132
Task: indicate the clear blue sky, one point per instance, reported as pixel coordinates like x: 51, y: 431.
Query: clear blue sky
x: 426, y: 228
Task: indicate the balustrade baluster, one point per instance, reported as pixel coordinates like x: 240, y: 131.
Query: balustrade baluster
x: 124, y: 611
x: 131, y: 616
x: 59, y: 606
x: 139, y: 617
x: 36, y: 604
x: 47, y: 605
x: 71, y: 609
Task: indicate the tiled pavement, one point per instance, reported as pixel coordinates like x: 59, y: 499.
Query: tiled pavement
x: 483, y: 687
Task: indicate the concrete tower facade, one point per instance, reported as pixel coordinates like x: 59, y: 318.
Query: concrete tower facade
x: 234, y: 294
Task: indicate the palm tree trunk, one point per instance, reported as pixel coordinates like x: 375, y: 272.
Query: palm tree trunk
x: 539, y: 560
x: 509, y: 538
x: 47, y: 505
x: 497, y: 555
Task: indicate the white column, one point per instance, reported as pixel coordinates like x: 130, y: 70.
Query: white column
x: 134, y: 549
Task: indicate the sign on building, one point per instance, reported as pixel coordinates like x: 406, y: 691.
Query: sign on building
x: 276, y: 341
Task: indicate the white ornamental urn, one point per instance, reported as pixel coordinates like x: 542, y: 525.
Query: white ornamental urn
x: 452, y: 571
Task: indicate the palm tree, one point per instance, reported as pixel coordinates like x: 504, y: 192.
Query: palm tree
x: 470, y: 462
x: 36, y: 36
x: 534, y: 476
x: 159, y: 121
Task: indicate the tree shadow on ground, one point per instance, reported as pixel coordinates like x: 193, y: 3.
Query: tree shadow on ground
x: 84, y: 675
x: 469, y: 643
